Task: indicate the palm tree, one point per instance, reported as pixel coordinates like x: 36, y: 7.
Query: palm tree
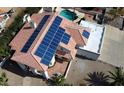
x: 3, y: 79
x: 117, y: 77
x: 97, y: 79
x: 116, y: 12
x: 58, y: 80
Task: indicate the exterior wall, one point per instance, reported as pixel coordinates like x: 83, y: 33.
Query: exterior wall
x: 87, y: 54
x: 22, y: 66
x: 34, y: 71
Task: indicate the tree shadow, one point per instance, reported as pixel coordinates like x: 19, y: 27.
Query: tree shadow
x: 14, y: 68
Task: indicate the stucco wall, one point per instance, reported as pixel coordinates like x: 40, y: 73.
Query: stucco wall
x: 87, y: 54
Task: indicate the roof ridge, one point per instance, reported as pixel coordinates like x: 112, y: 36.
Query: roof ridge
x: 42, y: 33
x: 78, y: 31
x: 34, y: 47
x: 36, y: 61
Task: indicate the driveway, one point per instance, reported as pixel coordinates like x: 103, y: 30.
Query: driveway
x: 113, y: 47
x: 80, y: 67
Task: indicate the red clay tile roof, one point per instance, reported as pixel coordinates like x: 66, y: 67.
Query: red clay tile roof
x: 21, y: 38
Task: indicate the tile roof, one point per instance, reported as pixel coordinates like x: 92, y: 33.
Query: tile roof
x: 29, y: 58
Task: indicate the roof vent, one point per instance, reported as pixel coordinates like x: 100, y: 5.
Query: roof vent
x: 33, y: 24
x: 28, y: 19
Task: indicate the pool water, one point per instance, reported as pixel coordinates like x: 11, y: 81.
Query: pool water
x: 68, y: 14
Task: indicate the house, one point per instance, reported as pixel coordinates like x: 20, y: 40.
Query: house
x: 4, y: 17
x: 50, y: 46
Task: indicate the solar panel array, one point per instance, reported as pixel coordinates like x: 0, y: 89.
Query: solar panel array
x: 66, y: 38
x: 86, y: 34
x: 50, y: 42
x: 35, y: 33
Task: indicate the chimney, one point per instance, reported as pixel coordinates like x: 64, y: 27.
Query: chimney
x: 28, y: 19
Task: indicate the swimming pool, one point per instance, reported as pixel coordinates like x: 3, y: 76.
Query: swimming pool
x: 68, y: 14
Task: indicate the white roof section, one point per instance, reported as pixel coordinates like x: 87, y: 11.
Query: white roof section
x: 96, y: 36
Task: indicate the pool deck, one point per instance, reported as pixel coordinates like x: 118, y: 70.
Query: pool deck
x: 79, y: 14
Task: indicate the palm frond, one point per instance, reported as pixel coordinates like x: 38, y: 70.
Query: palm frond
x: 97, y: 79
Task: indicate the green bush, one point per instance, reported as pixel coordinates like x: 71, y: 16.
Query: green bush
x: 14, y: 27
x: 3, y: 79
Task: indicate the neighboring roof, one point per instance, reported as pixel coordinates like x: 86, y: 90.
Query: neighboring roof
x: 96, y: 36
x: 29, y: 58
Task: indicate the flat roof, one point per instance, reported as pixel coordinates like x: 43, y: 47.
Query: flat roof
x: 95, y: 39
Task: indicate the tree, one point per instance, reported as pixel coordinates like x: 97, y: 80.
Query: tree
x: 117, y: 77
x: 3, y: 79
x: 117, y: 12
x: 97, y: 79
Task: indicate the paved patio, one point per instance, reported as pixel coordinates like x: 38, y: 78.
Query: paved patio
x: 80, y: 67
x: 59, y: 67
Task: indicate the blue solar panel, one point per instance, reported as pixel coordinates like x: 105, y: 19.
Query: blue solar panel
x: 35, y: 33
x: 86, y: 34
x: 65, y: 38
x: 47, y: 57
x: 51, y: 40
x: 43, y: 47
x: 45, y: 61
x: 51, y: 50
x: 40, y: 54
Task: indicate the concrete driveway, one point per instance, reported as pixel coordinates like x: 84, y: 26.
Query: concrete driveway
x: 79, y: 69
x: 113, y: 47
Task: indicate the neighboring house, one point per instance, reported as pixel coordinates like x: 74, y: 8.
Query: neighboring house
x: 4, y: 17
x: 50, y: 46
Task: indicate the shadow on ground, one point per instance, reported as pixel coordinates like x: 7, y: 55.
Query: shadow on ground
x: 14, y: 68
x: 83, y: 57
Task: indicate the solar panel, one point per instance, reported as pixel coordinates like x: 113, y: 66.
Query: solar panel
x: 52, y: 48
x: 35, y: 33
x: 65, y: 38
x: 52, y: 30
x: 50, y: 42
x: 45, y: 61
x: 54, y: 40
x: 86, y: 34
